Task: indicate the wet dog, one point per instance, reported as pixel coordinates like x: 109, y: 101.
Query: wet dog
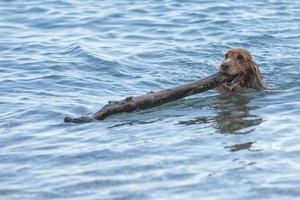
x: 239, y: 62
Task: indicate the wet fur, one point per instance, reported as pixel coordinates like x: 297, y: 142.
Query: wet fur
x: 247, y: 70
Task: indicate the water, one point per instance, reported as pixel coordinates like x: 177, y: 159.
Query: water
x: 66, y: 57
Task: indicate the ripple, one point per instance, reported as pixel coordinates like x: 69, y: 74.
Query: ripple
x: 69, y: 58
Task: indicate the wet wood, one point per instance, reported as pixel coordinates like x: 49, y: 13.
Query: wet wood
x: 153, y: 99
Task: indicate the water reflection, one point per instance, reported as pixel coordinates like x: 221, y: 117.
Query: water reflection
x: 133, y: 122
x: 239, y: 147
x: 233, y: 114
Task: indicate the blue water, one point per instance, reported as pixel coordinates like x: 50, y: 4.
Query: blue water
x: 67, y: 57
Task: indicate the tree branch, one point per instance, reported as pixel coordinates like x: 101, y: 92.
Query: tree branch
x: 153, y: 99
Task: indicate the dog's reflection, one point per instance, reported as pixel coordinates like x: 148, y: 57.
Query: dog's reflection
x: 233, y: 114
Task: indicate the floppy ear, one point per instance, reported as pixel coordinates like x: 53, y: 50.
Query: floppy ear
x: 257, y: 81
x: 252, y: 76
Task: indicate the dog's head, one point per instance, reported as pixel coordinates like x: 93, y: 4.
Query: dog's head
x: 239, y: 62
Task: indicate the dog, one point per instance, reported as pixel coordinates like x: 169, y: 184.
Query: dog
x: 239, y: 62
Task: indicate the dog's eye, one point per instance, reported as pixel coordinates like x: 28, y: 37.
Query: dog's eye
x: 240, y: 57
x: 226, y: 55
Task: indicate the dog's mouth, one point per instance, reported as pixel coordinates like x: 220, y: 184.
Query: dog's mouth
x: 235, y: 81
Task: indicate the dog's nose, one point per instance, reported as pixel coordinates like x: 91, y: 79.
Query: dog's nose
x: 224, y: 66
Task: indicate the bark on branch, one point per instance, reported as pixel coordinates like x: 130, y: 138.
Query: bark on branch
x: 153, y: 99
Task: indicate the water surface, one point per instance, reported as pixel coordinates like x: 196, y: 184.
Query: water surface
x: 66, y: 57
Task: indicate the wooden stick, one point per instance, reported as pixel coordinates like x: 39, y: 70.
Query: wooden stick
x: 153, y: 99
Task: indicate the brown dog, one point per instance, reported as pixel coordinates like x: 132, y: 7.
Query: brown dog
x: 239, y: 62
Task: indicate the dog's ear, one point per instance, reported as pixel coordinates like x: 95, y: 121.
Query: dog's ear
x: 252, y: 77
x: 256, y: 81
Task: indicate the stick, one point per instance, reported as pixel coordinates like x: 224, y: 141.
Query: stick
x: 153, y: 99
